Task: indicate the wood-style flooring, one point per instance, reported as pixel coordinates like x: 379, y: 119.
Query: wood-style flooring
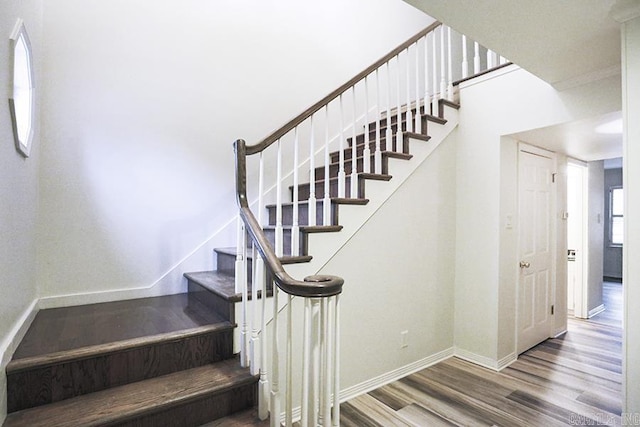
x: 574, y: 379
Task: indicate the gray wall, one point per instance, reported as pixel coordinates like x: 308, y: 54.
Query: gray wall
x: 612, y: 256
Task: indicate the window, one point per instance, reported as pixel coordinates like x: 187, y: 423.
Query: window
x: 22, y: 89
x: 616, y: 209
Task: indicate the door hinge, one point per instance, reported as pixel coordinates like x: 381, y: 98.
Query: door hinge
x: 552, y: 309
x: 553, y: 177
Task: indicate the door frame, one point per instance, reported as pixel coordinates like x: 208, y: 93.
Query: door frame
x: 531, y: 149
x: 581, y: 294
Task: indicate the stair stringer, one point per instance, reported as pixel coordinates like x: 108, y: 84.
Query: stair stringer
x: 323, y: 246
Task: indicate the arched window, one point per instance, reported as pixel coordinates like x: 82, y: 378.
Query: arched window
x: 22, y: 89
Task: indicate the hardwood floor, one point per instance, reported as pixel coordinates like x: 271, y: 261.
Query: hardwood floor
x: 571, y: 380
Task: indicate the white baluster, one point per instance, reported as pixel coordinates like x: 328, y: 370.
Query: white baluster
x: 336, y: 362
x: 327, y: 347
x: 306, y: 363
x: 418, y: 121
x: 341, y: 168
x: 398, y: 146
x: 295, y: 227
x: 278, y: 241
x: 289, y: 365
x: 389, y: 132
x: 326, y: 204
x: 354, y: 147
x: 490, y: 59
x: 254, y: 350
x: 312, y: 177
x: 366, y: 154
x: 241, y: 281
x: 314, y: 401
x: 443, y: 80
x: 476, y: 58
x: 427, y: 93
x: 465, y: 62
x: 323, y: 363
x: 377, y: 156
x: 257, y: 276
x: 434, y: 73
x: 275, y: 362
x: 261, y: 283
x: 450, y: 67
x: 409, y: 114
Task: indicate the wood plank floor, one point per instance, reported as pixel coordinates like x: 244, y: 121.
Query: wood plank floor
x: 571, y: 380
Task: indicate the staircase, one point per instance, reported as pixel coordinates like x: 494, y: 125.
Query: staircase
x: 162, y: 361
x: 165, y: 361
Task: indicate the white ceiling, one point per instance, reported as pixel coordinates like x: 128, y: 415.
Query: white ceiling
x: 564, y: 42
x: 585, y: 140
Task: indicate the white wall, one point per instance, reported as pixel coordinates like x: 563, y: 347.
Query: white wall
x: 18, y: 190
x: 631, y: 178
x: 595, y: 224
x: 492, y: 108
x: 399, y: 276
x: 143, y: 101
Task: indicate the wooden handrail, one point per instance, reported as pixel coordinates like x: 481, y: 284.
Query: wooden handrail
x: 317, y: 286
x: 260, y: 146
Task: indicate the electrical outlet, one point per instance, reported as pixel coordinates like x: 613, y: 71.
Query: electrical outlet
x: 404, y: 339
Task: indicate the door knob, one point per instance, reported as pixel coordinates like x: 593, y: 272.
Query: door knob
x: 524, y: 264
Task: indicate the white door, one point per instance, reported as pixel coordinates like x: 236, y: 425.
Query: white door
x: 535, y: 320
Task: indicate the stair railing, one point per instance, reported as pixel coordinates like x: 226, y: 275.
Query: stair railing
x: 372, y: 112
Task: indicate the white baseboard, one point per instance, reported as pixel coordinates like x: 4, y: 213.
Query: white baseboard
x: 396, y: 374
x: 595, y: 311
x: 19, y: 330
x: 486, y: 362
x: 506, y: 361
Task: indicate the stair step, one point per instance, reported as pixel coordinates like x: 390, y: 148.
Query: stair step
x: 348, y: 152
x: 186, y: 398
x: 424, y: 124
x: 334, y: 167
x: 227, y: 260
x: 77, y: 350
x: 305, y: 230
x: 215, y: 289
x: 303, y: 210
x: 304, y: 189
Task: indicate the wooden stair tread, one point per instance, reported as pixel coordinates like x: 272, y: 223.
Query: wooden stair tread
x: 101, y: 350
x: 130, y: 401
x: 361, y: 175
x: 308, y: 228
x: 435, y: 119
x: 220, y: 283
x: 114, y: 325
x: 283, y: 260
x: 334, y: 200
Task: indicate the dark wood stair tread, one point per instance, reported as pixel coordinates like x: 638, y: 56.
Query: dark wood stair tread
x: 284, y: 259
x: 101, y: 350
x: 334, y: 200
x: 134, y: 400
x: 308, y: 228
x: 361, y: 175
x: 220, y: 283
x: 113, y: 324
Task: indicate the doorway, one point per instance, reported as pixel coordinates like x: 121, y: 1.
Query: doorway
x: 577, y: 192
x: 536, y: 279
